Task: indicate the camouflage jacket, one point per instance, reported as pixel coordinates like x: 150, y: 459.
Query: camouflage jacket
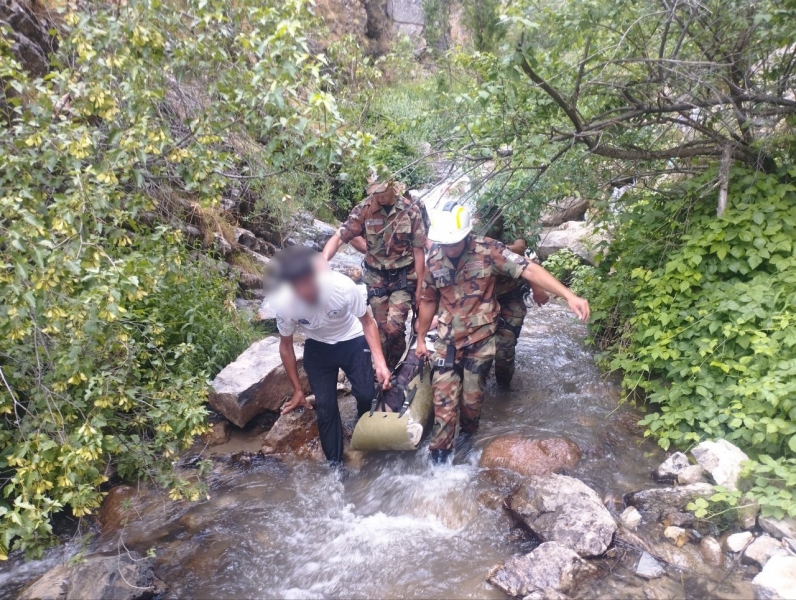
x: 390, y: 233
x: 468, y: 308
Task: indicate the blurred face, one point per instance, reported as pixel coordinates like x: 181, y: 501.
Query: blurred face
x: 385, y: 198
x: 306, y: 288
x: 453, y: 250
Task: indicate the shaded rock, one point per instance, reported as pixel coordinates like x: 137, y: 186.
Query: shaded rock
x: 649, y: 568
x: 779, y: 528
x: 676, y: 535
x: 550, y: 568
x: 671, y: 468
x: 630, y: 517
x: 711, y: 551
x: 679, y: 519
x: 566, y: 510
x: 572, y: 208
x: 747, y: 512
x: 737, y: 541
x: 223, y: 247
x: 219, y: 433
x: 687, y: 557
x: 530, y: 457
x: 294, y: 433
x: 763, y: 549
x: 722, y: 460
x: 249, y: 281
x: 664, y: 501
x: 254, y: 383
x: 691, y: 474
x: 777, y: 579
x: 664, y: 588
x: 579, y: 237
x: 126, y: 576
x: 28, y: 32
x: 115, y: 508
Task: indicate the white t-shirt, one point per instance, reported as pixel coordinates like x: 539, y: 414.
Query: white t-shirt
x: 334, y: 319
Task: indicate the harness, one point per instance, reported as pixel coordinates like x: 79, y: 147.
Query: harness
x: 394, y: 280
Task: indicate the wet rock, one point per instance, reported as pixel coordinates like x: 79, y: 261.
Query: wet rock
x: 294, y: 433
x: 679, y: 519
x: 649, y: 568
x: 691, y: 474
x: 737, y: 541
x: 630, y: 517
x: 779, y: 528
x: 581, y: 238
x: 550, y: 569
x: 671, y: 468
x: 126, y: 576
x: 664, y: 501
x: 687, y: 557
x: 572, y: 208
x: 530, y: 457
x: 664, y: 588
x: 563, y: 509
x: 254, y: 383
x: 710, y: 549
x: 777, y: 579
x: 763, y: 549
x: 747, y: 513
x: 676, y: 535
x: 722, y: 460
x: 115, y: 508
x: 219, y: 433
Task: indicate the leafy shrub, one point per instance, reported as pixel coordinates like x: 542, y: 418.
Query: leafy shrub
x: 699, y: 314
x: 568, y: 268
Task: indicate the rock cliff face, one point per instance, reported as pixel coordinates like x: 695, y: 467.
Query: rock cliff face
x: 27, y: 26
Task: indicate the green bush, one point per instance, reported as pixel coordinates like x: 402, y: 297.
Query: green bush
x: 699, y: 313
x: 568, y: 268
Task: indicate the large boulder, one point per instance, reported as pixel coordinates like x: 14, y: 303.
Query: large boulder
x: 580, y: 237
x: 124, y: 576
x: 723, y: 460
x: 572, y: 208
x: 530, y: 457
x: 549, y: 571
x: 566, y: 510
x: 254, y: 383
x: 777, y: 579
x: 664, y: 501
x: 115, y: 508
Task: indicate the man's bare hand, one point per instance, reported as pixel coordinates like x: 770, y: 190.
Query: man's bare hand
x: 297, y: 400
x: 421, y: 351
x: 383, y: 376
x: 580, y: 307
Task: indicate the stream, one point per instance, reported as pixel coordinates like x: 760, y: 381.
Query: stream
x: 395, y: 526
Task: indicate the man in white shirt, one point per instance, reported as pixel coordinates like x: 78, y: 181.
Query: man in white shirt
x: 331, y: 311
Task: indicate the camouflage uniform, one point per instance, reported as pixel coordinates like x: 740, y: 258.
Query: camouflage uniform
x: 510, y: 295
x: 391, y: 234
x: 468, y: 313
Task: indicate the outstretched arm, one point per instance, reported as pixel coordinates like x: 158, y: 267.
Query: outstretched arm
x: 536, y: 274
x: 374, y: 343
x: 332, y: 246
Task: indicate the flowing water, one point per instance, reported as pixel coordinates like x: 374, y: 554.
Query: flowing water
x: 395, y: 527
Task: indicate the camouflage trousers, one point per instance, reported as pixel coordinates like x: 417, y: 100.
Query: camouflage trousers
x: 391, y: 313
x: 459, y: 391
x: 512, y: 314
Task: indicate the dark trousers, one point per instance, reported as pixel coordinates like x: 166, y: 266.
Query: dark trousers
x: 322, y: 362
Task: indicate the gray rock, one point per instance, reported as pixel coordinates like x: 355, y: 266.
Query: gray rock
x: 408, y: 12
x: 691, y: 474
x: 566, y: 510
x: 548, y: 570
x: 671, y: 468
x: 747, y: 512
x: 763, y: 549
x: 668, y: 500
x: 255, y: 382
x: 580, y: 237
x: 722, y: 460
x: 711, y: 551
x: 126, y: 576
x: 737, y: 541
x: 777, y: 579
x: 648, y: 567
x: 630, y: 517
x: 571, y: 208
x: 779, y: 528
x: 676, y: 535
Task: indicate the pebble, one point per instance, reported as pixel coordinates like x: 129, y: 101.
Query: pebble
x: 676, y: 535
x: 648, y: 567
x: 710, y: 549
x: 737, y: 541
x: 630, y: 517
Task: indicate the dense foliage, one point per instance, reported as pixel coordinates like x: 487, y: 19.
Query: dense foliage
x: 109, y: 327
x: 699, y: 314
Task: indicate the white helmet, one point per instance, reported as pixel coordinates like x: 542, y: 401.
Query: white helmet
x: 450, y: 225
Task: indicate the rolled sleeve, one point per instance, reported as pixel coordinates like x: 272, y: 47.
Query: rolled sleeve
x: 353, y: 227
x: 429, y: 291
x: 506, y: 262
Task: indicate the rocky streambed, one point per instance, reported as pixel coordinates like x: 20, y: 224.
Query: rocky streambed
x: 559, y: 495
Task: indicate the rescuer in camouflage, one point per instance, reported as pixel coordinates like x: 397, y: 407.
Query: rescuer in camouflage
x: 460, y: 284
x: 394, y: 238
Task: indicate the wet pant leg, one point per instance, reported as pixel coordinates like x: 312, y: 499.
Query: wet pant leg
x: 357, y: 365
x: 512, y: 315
